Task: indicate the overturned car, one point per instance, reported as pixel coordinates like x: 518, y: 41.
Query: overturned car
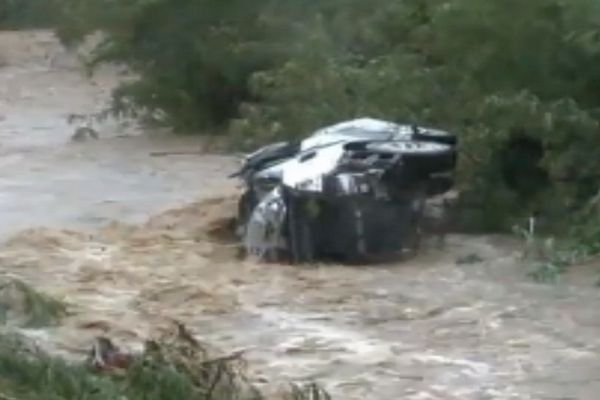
x: 349, y: 192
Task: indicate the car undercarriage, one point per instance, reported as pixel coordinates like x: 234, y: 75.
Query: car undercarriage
x: 350, y: 192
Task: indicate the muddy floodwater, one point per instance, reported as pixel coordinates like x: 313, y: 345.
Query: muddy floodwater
x: 131, y: 241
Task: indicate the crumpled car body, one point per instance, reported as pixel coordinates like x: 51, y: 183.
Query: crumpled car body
x: 350, y: 191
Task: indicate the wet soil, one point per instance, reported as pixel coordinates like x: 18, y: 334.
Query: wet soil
x: 132, y: 241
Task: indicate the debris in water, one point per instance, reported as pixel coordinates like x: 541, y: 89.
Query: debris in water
x: 470, y: 259
x: 106, y: 356
x: 84, y: 133
x: 169, y: 367
x: 190, y: 363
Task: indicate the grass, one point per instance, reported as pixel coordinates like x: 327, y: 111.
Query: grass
x: 30, y: 374
x: 549, y: 259
x: 165, y: 371
x: 28, y: 308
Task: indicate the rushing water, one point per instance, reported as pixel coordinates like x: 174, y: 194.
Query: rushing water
x: 45, y: 178
x: 430, y: 328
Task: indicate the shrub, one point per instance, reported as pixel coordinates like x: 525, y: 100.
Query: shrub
x: 25, y: 14
x: 515, y: 80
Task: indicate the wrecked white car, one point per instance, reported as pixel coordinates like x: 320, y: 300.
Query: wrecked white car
x: 348, y: 192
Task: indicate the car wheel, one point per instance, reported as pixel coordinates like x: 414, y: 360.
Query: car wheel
x: 422, y: 158
x: 435, y: 136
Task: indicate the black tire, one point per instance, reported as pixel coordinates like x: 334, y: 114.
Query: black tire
x: 435, y: 136
x: 422, y: 158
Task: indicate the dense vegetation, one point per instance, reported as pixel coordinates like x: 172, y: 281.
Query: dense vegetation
x: 174, y: 365
x: 518, y: 81
x: 165, y: 370
x: 18, y: 14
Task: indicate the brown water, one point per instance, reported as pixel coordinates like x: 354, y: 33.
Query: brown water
x: 45, y: 178
x: 429, y: 328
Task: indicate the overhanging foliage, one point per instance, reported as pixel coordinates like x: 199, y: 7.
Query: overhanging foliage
x: 518, y: 81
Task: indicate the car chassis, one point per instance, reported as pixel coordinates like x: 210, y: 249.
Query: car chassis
x: 351, y: 192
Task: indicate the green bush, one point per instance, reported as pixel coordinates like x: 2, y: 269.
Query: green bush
x: 194, y: 57
x: 515, y: 86
x: 515, y: 80
x: 23, y: 306
x: 164, y: 371
x: 24, y: 14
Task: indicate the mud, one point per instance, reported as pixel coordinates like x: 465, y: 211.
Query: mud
x: 435, y: 327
